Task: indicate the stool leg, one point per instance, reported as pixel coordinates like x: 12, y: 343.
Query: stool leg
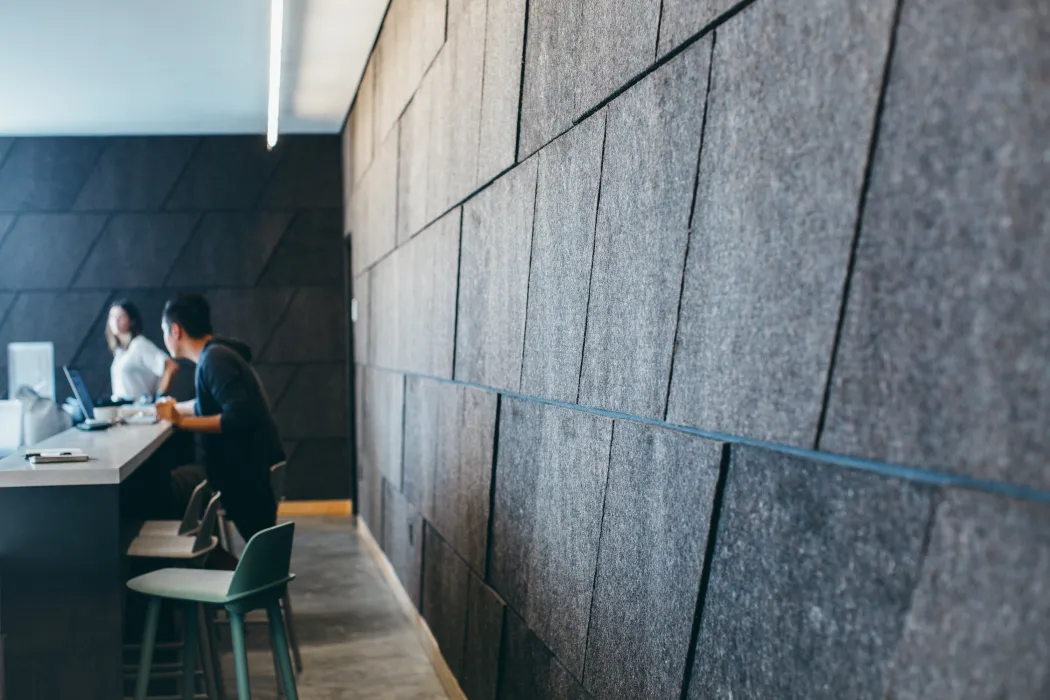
x: 207, y: 654
x: 280, y: 647
x: 149, y: 638
x: 277, y: 670
x: 240, y: 655
x: 213, y: 648
x: 189, y: 657
x: 289, y: 622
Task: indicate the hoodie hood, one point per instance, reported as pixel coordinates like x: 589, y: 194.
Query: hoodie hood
x: 241, y: 348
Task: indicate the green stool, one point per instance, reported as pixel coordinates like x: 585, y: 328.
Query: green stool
x: 259, y: 582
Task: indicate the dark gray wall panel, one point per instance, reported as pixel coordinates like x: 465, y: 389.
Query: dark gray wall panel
x: 362, y: 326
x: 812, y: 577
x: 65, y: 319
x: 312, y: 330
x: 229, y: 249
x: 403, y: 540
x: 372, y: 209
x: 307, y: 174
x: 380, y: 413
x: 135, y: 174
x: 548, y: 99
x: 979, y: 624
x: 412, y: 164
x: 529, y: 671
x: 654, y: 535
x: 318, y: 469
x: 617, y: 42
x: 651, y: 146
x: 444, y: 604
x: 310, y: 252
x: 680, y: 19
x: 369, y: 504
x: 481, y: 648
x: 551, y: 473
x: 449, y: 436
x: 249, y: 315
x: 44, y: 251
x: 494, y: 279
x: 413, y: 32
x: 413, y: 299
x: 943, y: 355
x: 314, y: 404
x: 5, y: 147
x: 501, y: 86
x: 275, y: 380
x: 46, y: 174
x: 224, y: 173
x: 136, y: 250
x: 562, y: 246
x: 775, y: 215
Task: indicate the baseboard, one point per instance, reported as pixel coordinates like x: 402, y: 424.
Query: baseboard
x: 301, y: 508
x: 426, y: 638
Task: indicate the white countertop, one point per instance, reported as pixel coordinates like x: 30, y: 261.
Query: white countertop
x: 115, y: 454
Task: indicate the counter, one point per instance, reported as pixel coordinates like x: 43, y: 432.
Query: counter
x: 115, y: 455
x: 62, y: 573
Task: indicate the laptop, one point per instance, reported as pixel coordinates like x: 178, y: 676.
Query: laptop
x: 83, y: 397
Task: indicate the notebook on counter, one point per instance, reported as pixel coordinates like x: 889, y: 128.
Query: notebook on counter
x: 56, y: 455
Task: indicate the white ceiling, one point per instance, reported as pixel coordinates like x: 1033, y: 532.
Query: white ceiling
x: 100, y: 67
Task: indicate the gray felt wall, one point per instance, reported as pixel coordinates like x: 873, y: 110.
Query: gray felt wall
x: 702, y: 346
x: 85, y: 221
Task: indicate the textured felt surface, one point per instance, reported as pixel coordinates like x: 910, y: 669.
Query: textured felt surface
x: 812, y: 577
x: 501, y: 88
x: 481, y: 651
x: 528, y: 669
x: 380, y: 413
x: 403, y: 540
x: 551, y: 472
x: 654, y: 534
x: 548, y: 98
x: 979, y: 624
x: 494, y: 279
x: 562, y: 248
x: 775, y: 215
x: 649, y: 171
x: 444, y: 604
x: 943, y: 353
x: 413, y: 299
x: 449, y: 434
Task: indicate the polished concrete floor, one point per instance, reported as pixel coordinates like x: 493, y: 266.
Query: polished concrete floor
x: 356, y: 641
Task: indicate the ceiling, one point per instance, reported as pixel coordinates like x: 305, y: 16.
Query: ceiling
x: 107, y: 67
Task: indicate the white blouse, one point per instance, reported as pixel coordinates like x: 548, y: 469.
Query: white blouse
x: 137, y: 369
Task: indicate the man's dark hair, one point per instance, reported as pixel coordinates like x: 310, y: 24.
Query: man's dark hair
x: 191, y: 312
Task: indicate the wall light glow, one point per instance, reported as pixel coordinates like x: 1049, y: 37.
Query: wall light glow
x: 276, y: 38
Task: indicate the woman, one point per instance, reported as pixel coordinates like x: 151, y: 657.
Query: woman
x: 139, y: 367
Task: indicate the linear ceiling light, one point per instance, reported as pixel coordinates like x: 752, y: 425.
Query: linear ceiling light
x: 276, y: 36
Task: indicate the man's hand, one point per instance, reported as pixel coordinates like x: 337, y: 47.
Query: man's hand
x: 167, y: 410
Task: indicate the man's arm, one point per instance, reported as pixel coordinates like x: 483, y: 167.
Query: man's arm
x: 227, y: 384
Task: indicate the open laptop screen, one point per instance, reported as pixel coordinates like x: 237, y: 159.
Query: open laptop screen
x: 80, y: 392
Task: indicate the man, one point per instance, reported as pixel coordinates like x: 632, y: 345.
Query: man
x: 239, y: 437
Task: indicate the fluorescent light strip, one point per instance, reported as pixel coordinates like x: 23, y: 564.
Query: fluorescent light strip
x: 276, y: 37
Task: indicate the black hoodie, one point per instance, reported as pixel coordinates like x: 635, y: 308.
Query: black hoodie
x: 238, y: 459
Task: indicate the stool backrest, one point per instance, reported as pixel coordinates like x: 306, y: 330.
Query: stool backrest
x: 191, y: 519
x: 277, y: 474
x: 208, y: 523
x: 266, y: 560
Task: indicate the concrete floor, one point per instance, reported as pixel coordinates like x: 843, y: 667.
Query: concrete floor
x: 356, y: 641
